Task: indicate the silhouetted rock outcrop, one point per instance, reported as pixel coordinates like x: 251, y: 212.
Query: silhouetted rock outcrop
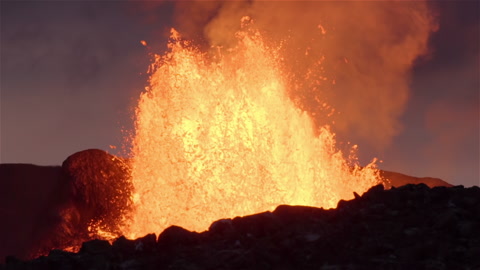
x: 45, y: 207
x: 411, y: 227
x: 31, y: 199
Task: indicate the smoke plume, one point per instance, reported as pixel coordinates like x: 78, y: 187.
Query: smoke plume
x: 354, y: 57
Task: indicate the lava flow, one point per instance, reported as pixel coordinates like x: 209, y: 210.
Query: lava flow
x: 217, y: 136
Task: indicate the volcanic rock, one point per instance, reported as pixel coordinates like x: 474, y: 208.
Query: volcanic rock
x: 409, y: 227
x: 95, y: 247
x: 47, y: 207
x: 101, y: 188
x: 175, y: 235
x: 31, y: 199
x: 145, y: 244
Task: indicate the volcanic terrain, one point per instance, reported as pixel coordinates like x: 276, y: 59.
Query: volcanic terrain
x: 414, y: 222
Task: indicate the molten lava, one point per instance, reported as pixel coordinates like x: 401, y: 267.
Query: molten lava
x: 217, y: 136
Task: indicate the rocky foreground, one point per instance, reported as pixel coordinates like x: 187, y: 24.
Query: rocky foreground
x: 53, y: 207
x: 409, y: 227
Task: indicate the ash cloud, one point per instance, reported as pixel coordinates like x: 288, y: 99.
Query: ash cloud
x: 361, y: 54
x: 443, y: 115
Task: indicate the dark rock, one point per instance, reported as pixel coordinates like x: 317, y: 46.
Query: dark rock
x: 59, y: 259
x: 59, y: 253
x: 257, y: 225
x: 221, y: 228
x: 409, y: 227
x: 176, y: 236
x: 289, y: 214
x: 374, y: 192
x: 446, y: 220
x: 342, y: 204
x: 130, y: 251
x: 466, y: 228
x: 146, y: 243
x: 95, y: 247
x: 132, y: 264
x: 124, y: 246
x: 31, y: 198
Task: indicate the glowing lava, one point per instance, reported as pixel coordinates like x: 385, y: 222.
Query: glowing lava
x: 217, y: 136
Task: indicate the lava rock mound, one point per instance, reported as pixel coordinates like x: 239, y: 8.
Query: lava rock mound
x: 101, y: 188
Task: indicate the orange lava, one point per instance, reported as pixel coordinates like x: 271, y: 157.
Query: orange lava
x: 217, y: 136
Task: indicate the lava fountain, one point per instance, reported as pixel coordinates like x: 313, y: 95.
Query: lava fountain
x: 218, y: 136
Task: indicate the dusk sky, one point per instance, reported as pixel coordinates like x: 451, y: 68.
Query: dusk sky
x: 71, y: 74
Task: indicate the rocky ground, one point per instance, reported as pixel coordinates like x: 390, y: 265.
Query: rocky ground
x: 55, y: 207
x: 409, y: 227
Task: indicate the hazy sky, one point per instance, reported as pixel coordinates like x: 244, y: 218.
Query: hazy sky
x: 71, y: 73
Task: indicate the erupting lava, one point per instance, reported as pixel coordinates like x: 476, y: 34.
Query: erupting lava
x: 217, y: 136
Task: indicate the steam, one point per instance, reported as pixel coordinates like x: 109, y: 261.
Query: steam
x: 355, y: 57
